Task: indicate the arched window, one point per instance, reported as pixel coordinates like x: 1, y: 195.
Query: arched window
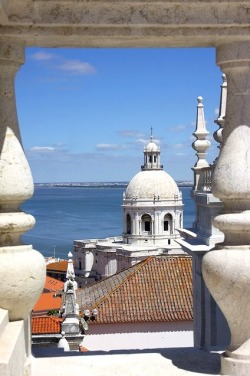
x: 146, y: 223
x: 167, y: 223
x: 128, y: 221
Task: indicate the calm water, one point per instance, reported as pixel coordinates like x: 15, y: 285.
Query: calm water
x: 71, y: 213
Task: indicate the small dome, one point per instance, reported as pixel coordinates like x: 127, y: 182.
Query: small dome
x: 151, y: 147
x: 63, y: 343
x: 152, y: 184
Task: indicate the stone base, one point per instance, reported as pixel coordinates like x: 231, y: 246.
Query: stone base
x: 234, y: 367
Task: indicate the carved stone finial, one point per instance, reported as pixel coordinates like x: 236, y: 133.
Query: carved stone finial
x: 222, y: 111
x: 200, y: 144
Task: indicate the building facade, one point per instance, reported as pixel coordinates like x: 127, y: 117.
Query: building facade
x: 152, y: 215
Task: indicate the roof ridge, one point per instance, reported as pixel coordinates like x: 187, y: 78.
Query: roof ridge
x: 127, y: 277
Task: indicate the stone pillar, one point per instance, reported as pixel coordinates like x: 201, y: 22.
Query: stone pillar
x: 226, y: 269
x: 22, y: 269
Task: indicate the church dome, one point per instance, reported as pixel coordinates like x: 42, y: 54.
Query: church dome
x: 151, y: 147
x: 152, y: 184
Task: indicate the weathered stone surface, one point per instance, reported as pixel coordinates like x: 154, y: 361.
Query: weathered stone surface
x: 125, y: 23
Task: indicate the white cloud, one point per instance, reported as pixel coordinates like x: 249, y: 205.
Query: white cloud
x: 145, y: 141
x: 42, y: 56
x: 142, y: 141
x: 216, y: 111
x: 72, y: 67
x: 178, y: 128
x: 178, y: 146
x: 127, y: 133
x: 42, y: 149
x: 77, y: 67
x: 108, y: 147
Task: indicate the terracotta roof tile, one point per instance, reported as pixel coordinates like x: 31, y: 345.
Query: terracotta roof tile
x: 60, y: 266
x: 47, y: 302
x: 157, y: 289
x: 53, y: 285
x: 46, y: 325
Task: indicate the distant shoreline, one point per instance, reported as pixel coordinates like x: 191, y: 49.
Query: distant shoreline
x: 101, y: 184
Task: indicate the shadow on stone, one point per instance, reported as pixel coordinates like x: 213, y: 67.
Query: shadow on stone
x: 187, y: 359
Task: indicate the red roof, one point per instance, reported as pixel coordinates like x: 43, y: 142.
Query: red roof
x: 53, y: 285
x: 60, y: 266
x: 47, y: 302
x: 46, y: 325
x: 156, y: 289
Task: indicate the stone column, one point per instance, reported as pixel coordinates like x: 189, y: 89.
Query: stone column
x: 22, y: 269
x: 226, y: 269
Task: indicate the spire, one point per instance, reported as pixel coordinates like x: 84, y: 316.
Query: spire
x: 151, y: 155
x: 70, y: 309
x: 200, y: 145
x: 70, y: 269
x: 222, y: 111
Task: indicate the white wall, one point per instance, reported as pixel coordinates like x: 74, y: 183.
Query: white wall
x: 138, y: 336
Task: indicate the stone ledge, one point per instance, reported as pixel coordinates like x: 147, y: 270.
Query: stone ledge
x: 160, y: 362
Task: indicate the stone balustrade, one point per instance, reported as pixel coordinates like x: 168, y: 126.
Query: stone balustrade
x: 221, y: 24
x: 226, y: 269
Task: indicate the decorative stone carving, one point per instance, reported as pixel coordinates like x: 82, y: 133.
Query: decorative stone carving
x: 21, y: 268
x: 226, y: 269
x: 200, y: 144
x: 222, y: 111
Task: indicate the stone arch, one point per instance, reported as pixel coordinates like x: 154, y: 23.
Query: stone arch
x: 167, y: 223
x: 128, y: 224
x: 146, y: 221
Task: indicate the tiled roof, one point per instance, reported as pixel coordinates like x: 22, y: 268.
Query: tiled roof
x: 47, y: 302
x: 156, y: 289
x: 60, y: 266
x: 53, y: 285
x: 46, y: 325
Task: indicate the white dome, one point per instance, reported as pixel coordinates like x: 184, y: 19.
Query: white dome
x: 152, y: 184
x: 151, y: 146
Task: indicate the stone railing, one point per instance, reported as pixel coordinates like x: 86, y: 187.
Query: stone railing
x: 206, y: 184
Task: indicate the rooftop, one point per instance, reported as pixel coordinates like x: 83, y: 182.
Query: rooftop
x: 156, y: 289
x: 60, y: 266
x: 47, y: 302
x: 46, y: 325
x: 52, y: 285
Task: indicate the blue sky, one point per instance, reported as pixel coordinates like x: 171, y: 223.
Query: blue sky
x: 85, y: 114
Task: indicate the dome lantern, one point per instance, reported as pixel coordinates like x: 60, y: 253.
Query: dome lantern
x: 151, y: 156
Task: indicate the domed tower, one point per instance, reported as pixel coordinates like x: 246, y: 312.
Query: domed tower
x: 152, y: 204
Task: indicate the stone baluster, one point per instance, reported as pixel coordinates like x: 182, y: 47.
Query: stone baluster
x: 226, y: 269
x: 21, y: 268
x: 200, y: 145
